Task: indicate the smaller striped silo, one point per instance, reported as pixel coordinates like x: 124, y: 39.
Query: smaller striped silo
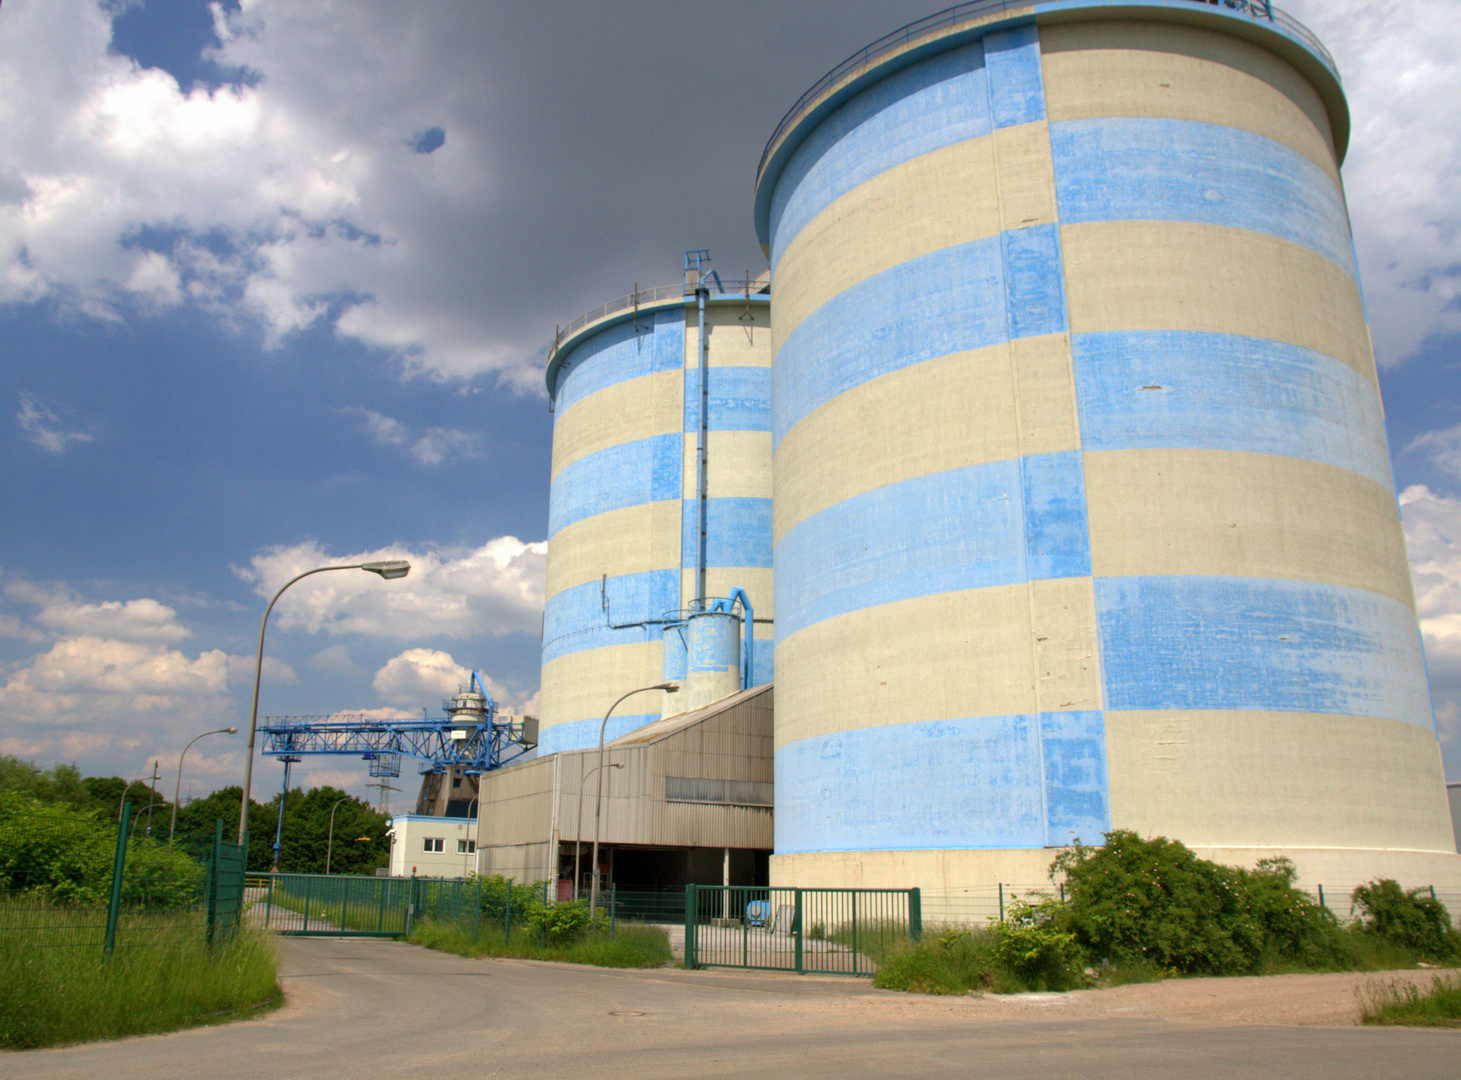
x: 631, y: 543
x: 1084, y: 516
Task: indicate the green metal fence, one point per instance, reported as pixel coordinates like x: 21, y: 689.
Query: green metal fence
x: 70, y: 880
x: 827, y: 931
x: 319, y: 905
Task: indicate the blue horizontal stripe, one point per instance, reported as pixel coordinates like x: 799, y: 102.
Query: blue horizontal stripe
x: 945, y: 302
x: 1034, y: 281
x: 618, y: 353
x: 737, y: 532
x: 1164, y: 389
x: 584, y: 616
x: 632, y: 473
x: 1120, y: 169
x: 1057, y: 536
x: 1258, y: 644
x: 979, y: 782
x: 969, y: 528
x: 584, y: 734
x: 1016, y: 88
x: 924, y: 107
x: 740, y: 399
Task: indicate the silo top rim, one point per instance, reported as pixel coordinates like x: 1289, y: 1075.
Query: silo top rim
x: 644, y: 301
x: 1257, y: 20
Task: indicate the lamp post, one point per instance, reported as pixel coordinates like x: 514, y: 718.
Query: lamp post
x: 122, y: 801
x: 390, y: 570
x: 593, y: 893
x: 330, y: 844
x: 468, y: 856
x: 578, y: 825
x: 178, y: 785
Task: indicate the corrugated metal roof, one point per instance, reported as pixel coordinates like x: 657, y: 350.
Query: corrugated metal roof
x: 656, y: 730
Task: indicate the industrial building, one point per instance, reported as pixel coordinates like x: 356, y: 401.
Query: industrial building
x: 1058, y: 423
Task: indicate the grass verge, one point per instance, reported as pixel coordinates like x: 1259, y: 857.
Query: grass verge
x: 633, y: 946
x: 1392, y: 1003
x: 168, y: 979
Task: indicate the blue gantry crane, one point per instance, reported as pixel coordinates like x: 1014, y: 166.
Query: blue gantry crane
x: 470, y: 737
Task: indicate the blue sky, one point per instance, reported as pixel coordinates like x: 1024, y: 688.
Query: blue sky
x: 277, y: 281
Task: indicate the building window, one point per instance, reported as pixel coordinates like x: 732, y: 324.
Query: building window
x: 466, y: 847
x: 456, y: 781
x: 434, y: 843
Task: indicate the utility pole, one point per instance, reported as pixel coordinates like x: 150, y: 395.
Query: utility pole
x: 152, y: 796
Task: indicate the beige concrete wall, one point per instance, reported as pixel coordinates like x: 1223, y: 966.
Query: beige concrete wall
x: 626, y: 411
x: 579, y: 686
x: 1247, y: 515
x: 1129, y: 68
x: 626, y: 541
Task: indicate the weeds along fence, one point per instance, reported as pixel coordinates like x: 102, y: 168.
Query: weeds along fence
x: 825, y: 931
x: 71, y: 880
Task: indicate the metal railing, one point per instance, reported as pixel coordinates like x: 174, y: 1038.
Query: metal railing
x: 754, y: 287
x: 978, y: 9
x: 821, y: 931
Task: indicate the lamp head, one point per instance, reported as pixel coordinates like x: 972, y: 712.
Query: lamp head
x: 669, y: 687
x: 390, y: 569
x: 231, y: 731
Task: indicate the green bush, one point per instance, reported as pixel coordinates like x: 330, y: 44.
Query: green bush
x: 1033, y: 945
x: 1137, y: 900
x: 633, y: 946
x: 562, y: 923
x: 1411, y: 919
x: 951, y: 961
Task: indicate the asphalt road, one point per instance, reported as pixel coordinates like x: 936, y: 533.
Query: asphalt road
x: 361, y: 1009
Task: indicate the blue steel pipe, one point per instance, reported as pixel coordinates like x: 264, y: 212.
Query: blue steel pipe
x: 747, y: 650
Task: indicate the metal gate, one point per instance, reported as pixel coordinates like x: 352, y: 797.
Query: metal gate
x: 827, y: 931
x: 335, y: 905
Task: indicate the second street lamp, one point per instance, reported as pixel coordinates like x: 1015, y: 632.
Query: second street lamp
x: 593, y: 890
x: 390, y: 569
x: 178, y: 785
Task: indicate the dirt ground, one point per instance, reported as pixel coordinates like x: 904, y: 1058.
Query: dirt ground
x: 1330, y: 999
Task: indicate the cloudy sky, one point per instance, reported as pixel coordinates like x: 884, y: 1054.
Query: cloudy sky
x: 276, y: 284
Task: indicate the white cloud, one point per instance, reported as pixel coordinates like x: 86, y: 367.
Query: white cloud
x: 281, y: 204
x: 437, y: 445
x: 419, y: 676
x: 452, y: 591
x: 1401, y: 64
x: 43, y: 427
x: 335, y: 660
x: 130, y: 620
x: 1433, y: 535
x: 1442, y: 447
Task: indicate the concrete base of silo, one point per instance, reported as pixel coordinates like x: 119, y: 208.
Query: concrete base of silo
x: 968, y: 886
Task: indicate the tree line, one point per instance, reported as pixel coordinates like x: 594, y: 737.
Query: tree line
x: 359, y: 844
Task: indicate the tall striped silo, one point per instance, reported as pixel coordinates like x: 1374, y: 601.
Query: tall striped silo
x: 1083, y: 511
x: 625, y: 529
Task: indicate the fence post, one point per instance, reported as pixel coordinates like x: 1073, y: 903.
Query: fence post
x: 915, y: 914
x: 119, y: 864
x: 477, y: 931
x: 410, y: 903
x: 211, y: 900
x: 796, y: 929
x: 1001, y: 901
x: 690, y: 913
x: 507, y: 913
x: 1321, y: 895
x: 614, y: 892
x: 307, y: 883
x: 1433, y: 892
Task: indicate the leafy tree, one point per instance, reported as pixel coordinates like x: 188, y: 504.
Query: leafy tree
x: 59, y: 784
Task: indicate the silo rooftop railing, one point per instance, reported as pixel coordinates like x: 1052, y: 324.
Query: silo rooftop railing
x: 977, y: 9
x: 645, y: 297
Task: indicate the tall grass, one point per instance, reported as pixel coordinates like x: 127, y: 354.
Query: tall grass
x: 166, y: 977
x: 633, y: 945
x: 1440, y: 1006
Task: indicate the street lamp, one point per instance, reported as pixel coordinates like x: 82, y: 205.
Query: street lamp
x: 593, y: 893
x: 330, y: 844
x: 390, y: 569
x: 578, y: 825
x: 178, y: 786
